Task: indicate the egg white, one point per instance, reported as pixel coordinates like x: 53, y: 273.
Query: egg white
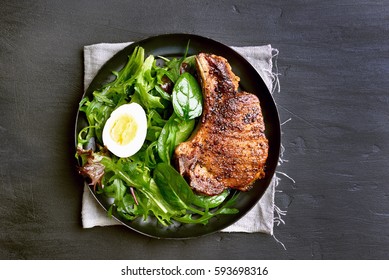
x: 138, y: 115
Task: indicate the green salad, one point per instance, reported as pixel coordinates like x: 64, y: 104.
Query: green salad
x: 146, y: 183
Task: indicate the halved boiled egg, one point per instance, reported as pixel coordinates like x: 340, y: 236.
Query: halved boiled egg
x: 125, y: 131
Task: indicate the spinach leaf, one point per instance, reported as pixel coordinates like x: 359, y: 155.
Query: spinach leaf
x: 174, y: 189
x: 225, y: 209
x: 173, y: 132
x: 187, y: 97
x: 208, y: 202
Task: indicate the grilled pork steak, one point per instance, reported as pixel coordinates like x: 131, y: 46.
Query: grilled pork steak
x: 229, y: 148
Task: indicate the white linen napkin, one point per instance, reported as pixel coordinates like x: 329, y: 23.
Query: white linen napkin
x: 261, y: 217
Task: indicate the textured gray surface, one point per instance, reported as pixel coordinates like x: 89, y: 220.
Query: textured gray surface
x: 334, y: 66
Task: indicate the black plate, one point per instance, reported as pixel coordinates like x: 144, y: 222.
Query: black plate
x: 174, y: 45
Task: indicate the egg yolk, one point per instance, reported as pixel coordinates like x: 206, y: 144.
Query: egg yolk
x: 124, y: 129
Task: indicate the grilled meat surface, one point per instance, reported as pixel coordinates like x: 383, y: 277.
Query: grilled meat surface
x: 228, y: 149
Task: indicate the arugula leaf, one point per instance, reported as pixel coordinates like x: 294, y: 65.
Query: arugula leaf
x: 97, y: 114
x: 189, y: 65
x: 145, y: 83
x: 115, y: 189
x: 173, y: 69
x: 127, y: 208
x: 129, y: 71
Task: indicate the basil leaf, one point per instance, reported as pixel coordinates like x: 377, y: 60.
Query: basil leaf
x: 187, y: 97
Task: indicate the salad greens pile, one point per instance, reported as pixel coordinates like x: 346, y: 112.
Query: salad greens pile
x: 146, y: 184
